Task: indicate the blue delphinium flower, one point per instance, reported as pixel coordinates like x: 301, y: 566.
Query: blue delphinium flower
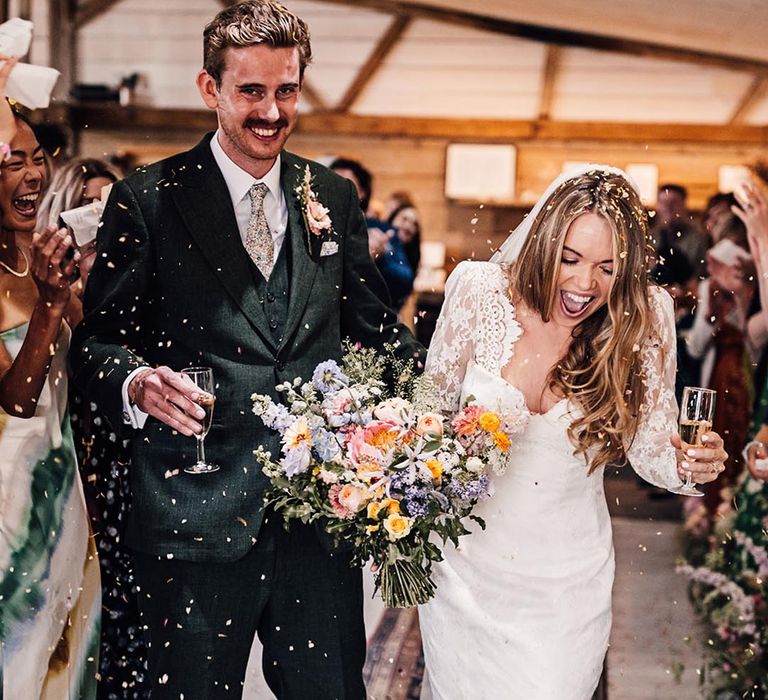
x: 416, y: 501
x: 398, y: 482
x: 328, y: 377
x: 469, y: 491
x: 296, y: 461
x: 325, y: 444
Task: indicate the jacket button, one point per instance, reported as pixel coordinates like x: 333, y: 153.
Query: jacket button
x: 270, y: 297
x: 280, y: 365
x: 273, y: 324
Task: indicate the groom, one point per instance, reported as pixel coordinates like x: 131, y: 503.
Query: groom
x: 225, y: 257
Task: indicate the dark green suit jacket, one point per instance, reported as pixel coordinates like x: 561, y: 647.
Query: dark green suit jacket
x: 173, y: 285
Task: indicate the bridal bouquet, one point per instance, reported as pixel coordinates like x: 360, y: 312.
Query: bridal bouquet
x: 382, y: 472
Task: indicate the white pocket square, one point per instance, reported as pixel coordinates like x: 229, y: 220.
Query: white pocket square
x: 329, y: 248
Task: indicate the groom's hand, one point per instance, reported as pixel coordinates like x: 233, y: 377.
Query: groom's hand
x: 169, y: 396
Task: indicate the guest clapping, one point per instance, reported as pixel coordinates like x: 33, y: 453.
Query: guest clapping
x: 48, y: 572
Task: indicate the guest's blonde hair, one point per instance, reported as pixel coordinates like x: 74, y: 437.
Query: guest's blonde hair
x: 67, y: 186
x: 601, y: 371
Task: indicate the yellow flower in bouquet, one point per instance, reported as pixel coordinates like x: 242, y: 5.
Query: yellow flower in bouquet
x: 490, y: 421
x: 435, y: 467
x: 392, y: 505
x: 374, y: 508
x: 397, y: 526
x: 502, y: 440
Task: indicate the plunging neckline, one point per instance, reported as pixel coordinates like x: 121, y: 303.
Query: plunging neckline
x: 520, y: 330
x: 523, y: 404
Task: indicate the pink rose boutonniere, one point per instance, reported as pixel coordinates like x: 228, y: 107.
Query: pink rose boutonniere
x: 316, y: 216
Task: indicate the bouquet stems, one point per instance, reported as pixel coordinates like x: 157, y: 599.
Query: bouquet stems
x: 404, y: 584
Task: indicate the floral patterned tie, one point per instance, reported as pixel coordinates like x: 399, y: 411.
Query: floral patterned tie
x: 258, y: 239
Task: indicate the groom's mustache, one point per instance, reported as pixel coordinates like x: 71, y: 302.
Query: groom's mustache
x: 258, y: 124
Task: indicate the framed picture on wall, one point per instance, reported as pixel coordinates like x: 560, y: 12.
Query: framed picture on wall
x: 481, y: 173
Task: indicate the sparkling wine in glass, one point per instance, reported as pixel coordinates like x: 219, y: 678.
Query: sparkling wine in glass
x: 203, y: 378
x: 697, y: 410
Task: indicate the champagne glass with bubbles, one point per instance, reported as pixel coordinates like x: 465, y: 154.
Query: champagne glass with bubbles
x: 697, y: 410
x: 203, y: 378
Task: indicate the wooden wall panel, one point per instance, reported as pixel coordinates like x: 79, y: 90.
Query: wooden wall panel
x: 417, y: 165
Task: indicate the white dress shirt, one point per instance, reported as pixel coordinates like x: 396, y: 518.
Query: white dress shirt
x: 239, y: 183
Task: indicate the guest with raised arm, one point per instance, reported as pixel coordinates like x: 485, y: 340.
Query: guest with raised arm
x: 49, y: 579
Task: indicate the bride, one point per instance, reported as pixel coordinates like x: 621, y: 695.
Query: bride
x: 563, y: 324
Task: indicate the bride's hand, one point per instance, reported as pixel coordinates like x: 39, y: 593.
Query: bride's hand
x: 703, y: 463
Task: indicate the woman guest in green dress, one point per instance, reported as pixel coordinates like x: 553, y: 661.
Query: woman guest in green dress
x: 49, y: 579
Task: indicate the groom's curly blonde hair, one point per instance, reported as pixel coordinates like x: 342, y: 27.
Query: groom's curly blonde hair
x: 249, y: 23
x: 601, y: 371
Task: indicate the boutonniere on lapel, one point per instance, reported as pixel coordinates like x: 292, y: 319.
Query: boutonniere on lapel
x: 317, y: 218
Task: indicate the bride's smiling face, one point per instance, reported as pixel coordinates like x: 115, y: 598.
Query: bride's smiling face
x: 586, y: 270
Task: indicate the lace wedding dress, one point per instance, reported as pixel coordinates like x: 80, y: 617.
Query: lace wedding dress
x: 523, y: 609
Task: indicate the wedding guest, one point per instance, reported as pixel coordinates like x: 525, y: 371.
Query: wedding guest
x: 384, y: 244
x: 719, y: 336
x: 397, y: 199
x: 49, y: 578
x: 674, y: 230
x: 102, y: 454
x: 717, y: 213
x: 73, y: 185
x: 562, y: 326
x: 406, y: 221
x: 232, y: 267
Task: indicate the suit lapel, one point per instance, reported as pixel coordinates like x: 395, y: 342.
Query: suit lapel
x: 205, y: 207
x: 304, y: 267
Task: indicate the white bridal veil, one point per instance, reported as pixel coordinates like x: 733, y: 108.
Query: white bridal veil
x: 510, y: 250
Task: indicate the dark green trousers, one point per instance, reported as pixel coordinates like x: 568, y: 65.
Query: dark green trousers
x: 305, y: 603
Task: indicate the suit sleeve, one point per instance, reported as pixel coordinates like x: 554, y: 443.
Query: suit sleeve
x: 366, y: 314
x: 106, y: 345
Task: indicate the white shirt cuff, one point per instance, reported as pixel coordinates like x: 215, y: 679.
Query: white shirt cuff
x: 133, y: 415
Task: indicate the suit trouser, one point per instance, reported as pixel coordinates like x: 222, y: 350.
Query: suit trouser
x: 305, y: 604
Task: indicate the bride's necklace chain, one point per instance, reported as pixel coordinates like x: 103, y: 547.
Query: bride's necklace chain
x: 17, y: 273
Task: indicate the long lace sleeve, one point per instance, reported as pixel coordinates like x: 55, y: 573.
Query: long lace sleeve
x: 651, y: 454
x: 452, y: 344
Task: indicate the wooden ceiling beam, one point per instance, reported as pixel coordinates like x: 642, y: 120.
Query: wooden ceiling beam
x: 522, y: 130
x: 90, y: 10
x: 560, y: 37
x: 757, y: 90
x: 141, y: 118
x: 368, y: 70
x: 549, y: 78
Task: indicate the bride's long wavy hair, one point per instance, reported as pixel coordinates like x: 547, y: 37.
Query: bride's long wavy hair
x: 601, y: 371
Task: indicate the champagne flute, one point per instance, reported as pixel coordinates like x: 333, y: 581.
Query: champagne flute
x: 203, y: 378
x: 697, y: 410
